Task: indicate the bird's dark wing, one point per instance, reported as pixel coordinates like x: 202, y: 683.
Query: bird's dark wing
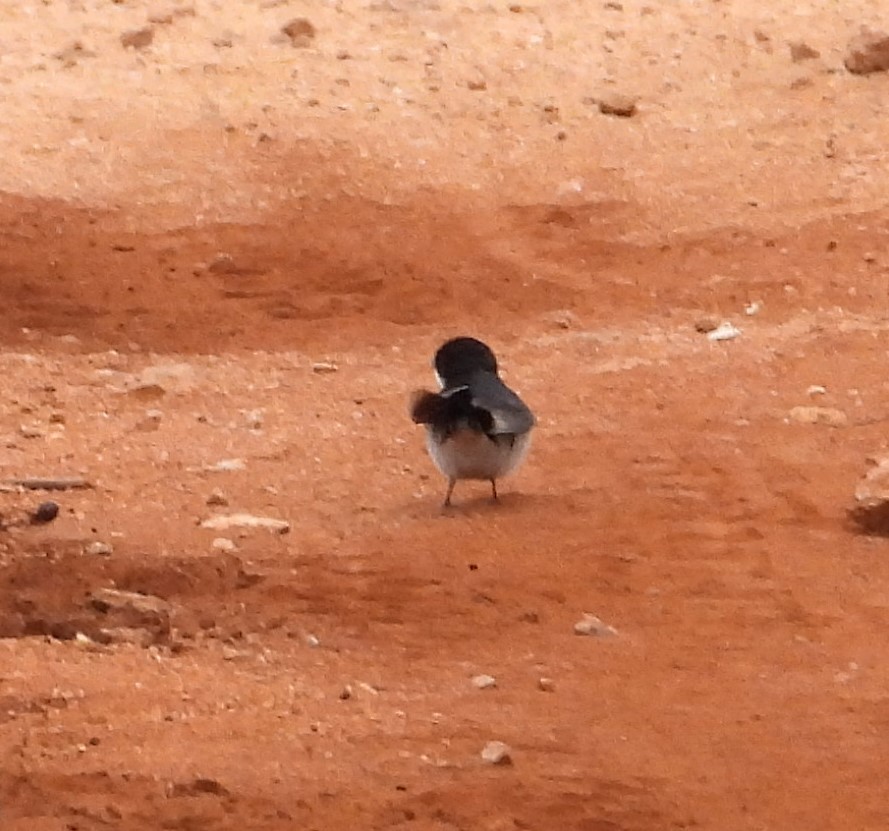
x: 450, y: 409
x: 485, y: 404
x: 508, y: 413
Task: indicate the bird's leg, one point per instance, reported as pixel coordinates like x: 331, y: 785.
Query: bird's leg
x: 447, y: 502
x: 494, y: 490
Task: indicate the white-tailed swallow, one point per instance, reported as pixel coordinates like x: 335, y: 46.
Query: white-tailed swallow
x: 476, y: 426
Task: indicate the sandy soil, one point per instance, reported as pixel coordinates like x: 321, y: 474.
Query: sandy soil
x: 227, y: 259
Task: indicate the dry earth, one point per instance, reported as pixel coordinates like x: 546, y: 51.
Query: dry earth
x: 227, y: 245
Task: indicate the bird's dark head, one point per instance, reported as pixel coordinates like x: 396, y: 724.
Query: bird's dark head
x: 460, y: 358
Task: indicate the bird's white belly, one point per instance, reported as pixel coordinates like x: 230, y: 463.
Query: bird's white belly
x: 468, y: 454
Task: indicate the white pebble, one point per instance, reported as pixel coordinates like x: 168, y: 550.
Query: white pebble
x: 591, y: 625
x: 99, y: 549
x: 497, y: 753
x: 725, y: 331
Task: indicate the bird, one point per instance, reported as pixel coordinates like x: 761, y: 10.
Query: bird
x: 476, y: 426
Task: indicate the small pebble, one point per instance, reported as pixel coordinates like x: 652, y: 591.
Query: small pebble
x: 830, y: 416
x: 222, y: 522
x: 497, y: 753
x: 223, y: 544
x: 137, y: 38
x: 45, y: 512
x: 705, y: 325
x: 300, y: 31
x: 725, y: 331
x: 323, y: 367
x: 228, y: 464
x: 591, y: 625
x: 99, y: 549
x: 223, y: 263
x: 546, y: 684
x: 617, y: 104
x: 217, y: 497
x: 484, y: 682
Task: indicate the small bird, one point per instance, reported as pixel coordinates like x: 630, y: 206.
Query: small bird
x: 476, y: 426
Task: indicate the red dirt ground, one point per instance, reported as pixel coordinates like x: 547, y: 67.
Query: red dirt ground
x: 189, y: 229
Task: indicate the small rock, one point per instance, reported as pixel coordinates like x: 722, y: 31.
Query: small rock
x: 562, y: 318
x: 147, y: 392
x: 497, y: 753
x: 546, y: 684
x: 346, y: 692
x: 124, y: 613
x: 725, y: 331
x: 300, y: 31
x: 151, y: 422
x: 45, y: 512
x: 142, y: 638
x: 254, y: 419
x: 867, y: 52
x: 73, y: 53
x: 217, y: 498
x: 99, y: 549
x: 197, y: 787
x: 753, y: 308
x: 484, y: 682
x: 819, y: 415
x: 800, y: 51
x: 591, y: 625
x: 56, y: 418
x: 705, y: 325
x: 106, y: 600
x: 30, y: 431
x: 324, y: 367
x: 181, y: 377
x: 623, y: 106
x: 137, y: 38
x: 223, y: 263
x: 222, y: 522
x: 223, y: 544
x: 224, y: 465
x: 871, y: 509
x: 477, y: 84
x: 816, y: 389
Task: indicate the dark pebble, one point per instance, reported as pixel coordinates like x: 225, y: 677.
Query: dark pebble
x: 46, y: 512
